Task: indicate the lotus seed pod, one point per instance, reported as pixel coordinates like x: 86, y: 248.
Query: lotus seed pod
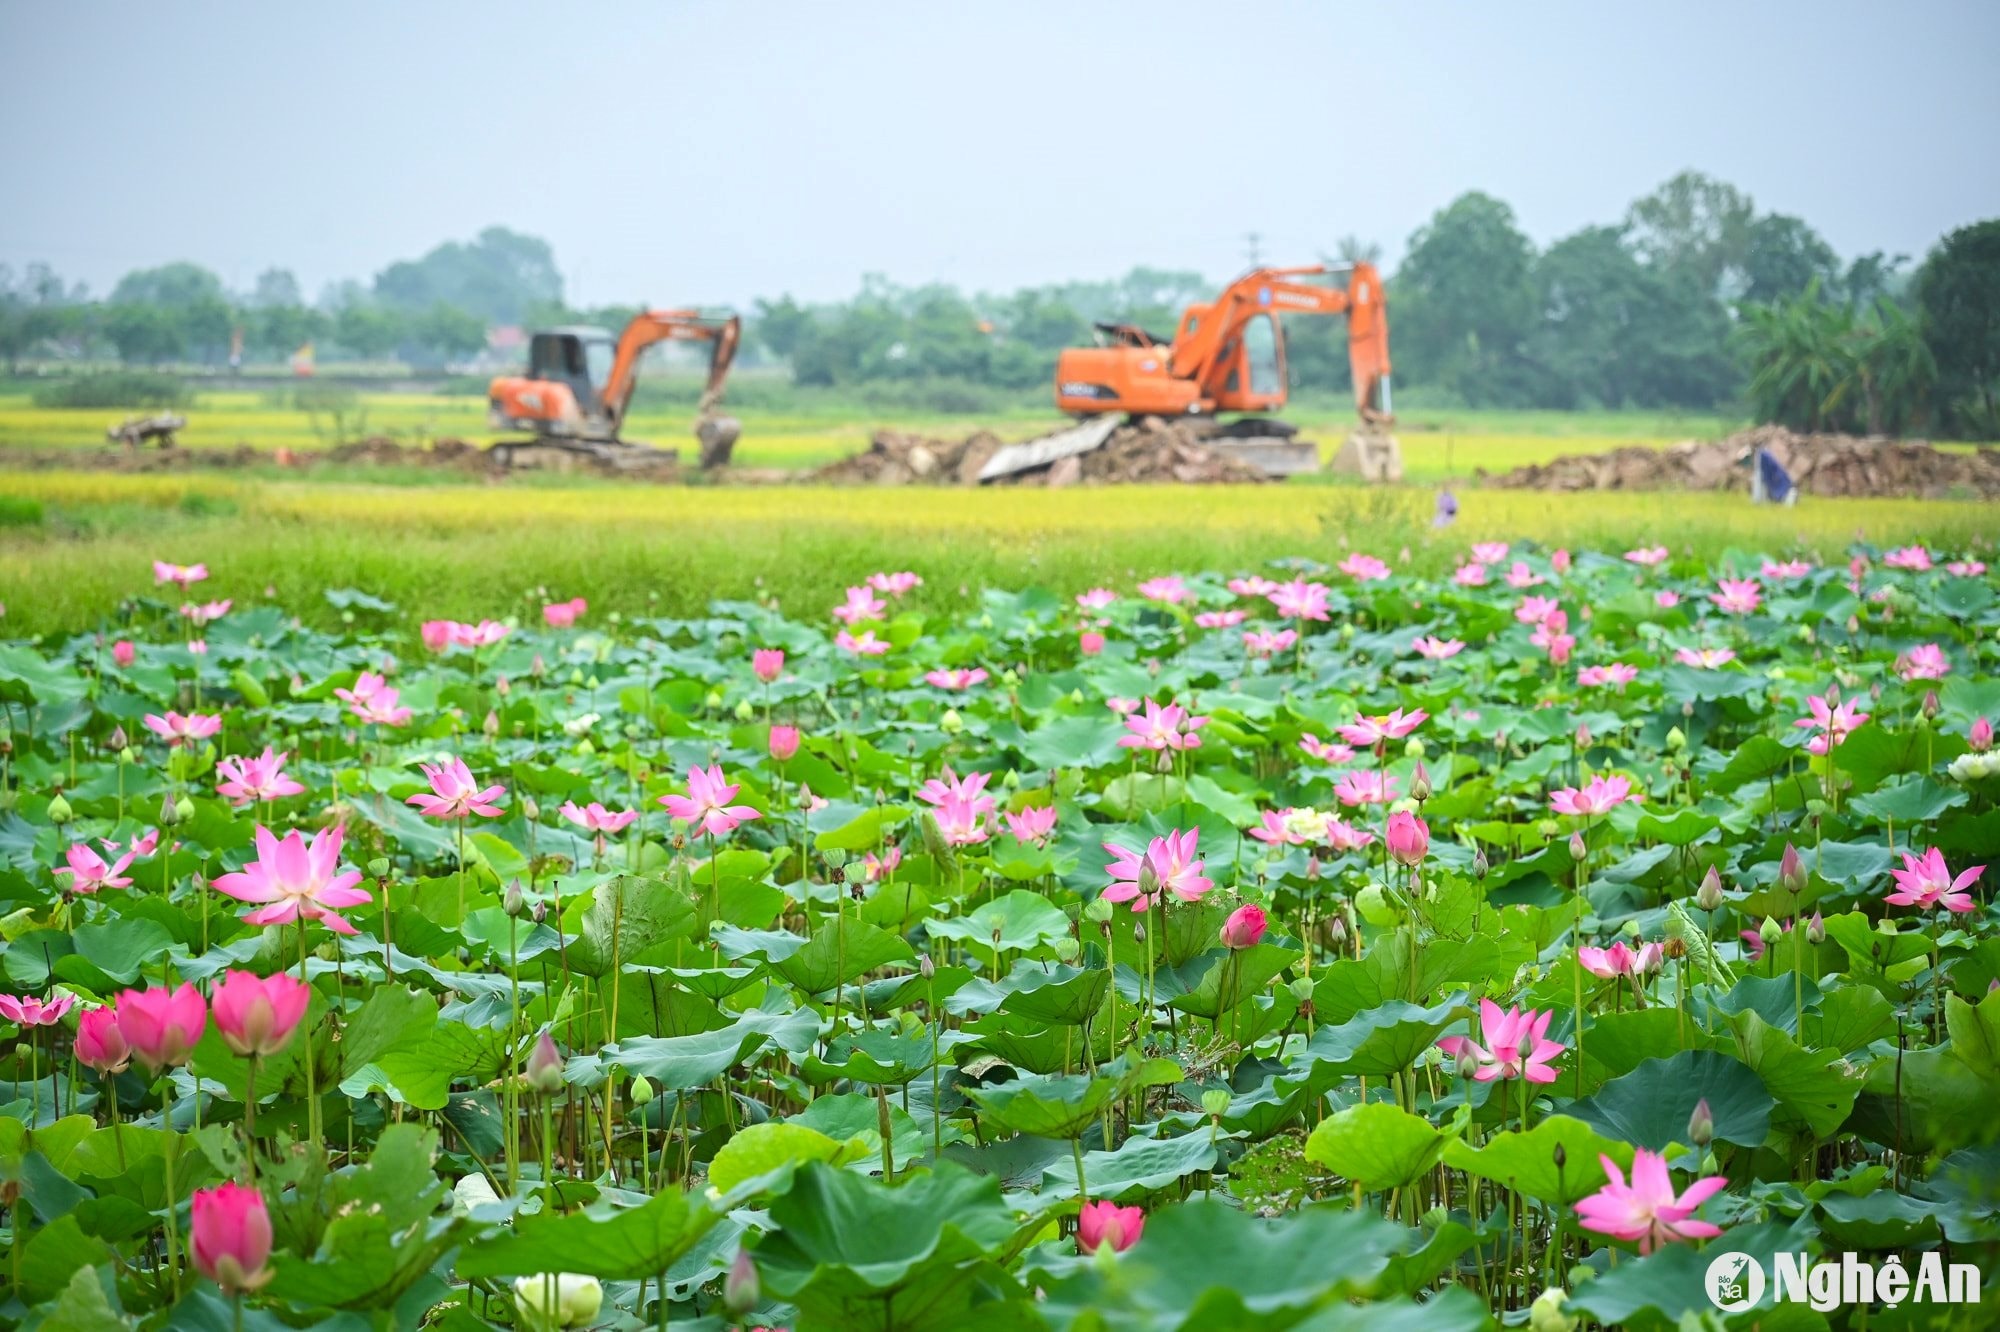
x: 378, y: 867
x: 1067, y: 949
x: 1302, y: 989
x: 1413, y: 748
x: 1098, y: 911
x: 1215, y: 1102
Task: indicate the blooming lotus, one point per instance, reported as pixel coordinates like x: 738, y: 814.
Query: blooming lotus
x: 1666, y: 598
x: 1616, y: 673
x: 1124, y: 707
x: 1966, y: 568
x: 1222, y: 619
x: 1620, y: 960
x: 1161, y: 728
x: 1365, y: 731
x: 177, y: 729
x: 594, y: 817
x: 1647, y: 1211
x: 564, y: 614
x: 1103, y: 1223
x: 162, y: 1026
x: 1365, y: 788
x: 1035, y: 824
x: 963, y: 822
x: 1252, y: 586
x: 874, y: 867
x: 1269, y: 642
x: 861, y: 604
x: 1301, y: 600
x: 1599, y: 795
x: 1515, y: 1045
x: 1925, y: 881
x: 1707, y: 659
x: 957, y: 678
x: 1786, y: 569
x: 1096, y: 599
x: 1490, y: 552
x: 1344, y: 836
x: 455, y: 793
x: 1365, y: 568
x: 229, y: 1237
x: 1926, y: 662
x: 1470, y: 575
x: 1522, y: 576
x: 438, y: 634
x: 1168, y: 591
x: 1168, y: 865
x: 867, y: 645
x: 1290, y: 827
x: 1432, y: 648
x: 1737, y: 596
x: 257, y: 1015
x: 1536, y: 610
x: 894, y: 584
x: 1552, y: 635
x: 1325, y: 750
x: 971, y: 787
x: 767, y: 664
x: 706, y: 805
x: 203, y: 614
x: 185, y: 575
x: 1831, y: 722
x: 28, y: 1011
x: 291, y: 880
x: 87, y: 871
x: 1647, y: 556
x: 123, y: 653
x: 260, y: 778
x: 484, y: 634
x: 1914, y: 559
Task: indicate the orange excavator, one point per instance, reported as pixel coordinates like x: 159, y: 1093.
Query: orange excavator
x: 1227, y: 356
x: 580, y: 383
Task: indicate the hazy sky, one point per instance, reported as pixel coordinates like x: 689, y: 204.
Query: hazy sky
x: 712, y: 152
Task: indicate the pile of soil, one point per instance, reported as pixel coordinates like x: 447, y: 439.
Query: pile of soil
x: 1824, y: 465
x: 1150, y: 449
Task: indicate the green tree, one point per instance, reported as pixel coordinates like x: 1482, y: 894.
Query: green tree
x: 275, y: 288
x: 1802, y: 357
x: 1898, y: 372
x: 781, y: 325
x: 144, y: 334
x: 1958, y: 299
x: 176, y: 286
x: 442, y: 333
x: 1463, y: 304
x: 1696, y: 226
x: 499, y: 276
x: 367, y: 330
x: 1782, y: 256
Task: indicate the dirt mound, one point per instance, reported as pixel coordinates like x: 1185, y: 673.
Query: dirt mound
x: 1150, y: 449
x: 1824, y: 465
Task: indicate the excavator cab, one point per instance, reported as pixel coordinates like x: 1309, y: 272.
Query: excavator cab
x: 578, y: 357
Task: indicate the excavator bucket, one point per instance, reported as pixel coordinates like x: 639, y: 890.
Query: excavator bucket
x: 717, y: 435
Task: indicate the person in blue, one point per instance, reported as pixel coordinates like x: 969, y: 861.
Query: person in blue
x: 1769, y: 481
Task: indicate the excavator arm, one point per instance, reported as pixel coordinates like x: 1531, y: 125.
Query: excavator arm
x: 1205, y: 348
x: 653, y: 326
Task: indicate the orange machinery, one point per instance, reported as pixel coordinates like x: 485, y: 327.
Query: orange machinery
x: 580, y: 383
x: 1229, y: 355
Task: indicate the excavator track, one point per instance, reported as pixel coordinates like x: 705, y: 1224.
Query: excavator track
x: 556, y: 453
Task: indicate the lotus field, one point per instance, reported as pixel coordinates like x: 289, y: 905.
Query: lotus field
x: 1314, y: 947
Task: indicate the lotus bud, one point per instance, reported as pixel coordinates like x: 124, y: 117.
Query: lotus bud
x: 714, y: 700
x: 1709, y: 896
x: 59, y: 810
x: 538, y: 668
x: 531, y: 808
x: 1560, y: 1156
x: 1546, y: 1313
x: 1347, y: 632
x: 557, y: 1300
x: 183, y: 810
x: 741, y: 1290
x: 951, y: 723
x: 1931, y: 707
x: 1770, y: 931
x: 1701, y: 1124
x: 1582, y: 736
x: 544, y: 1069
x: 1413, y: 748
x: 1215, y: 1102
x: 539, y: 912
x: 117, y: 740
x: 641, y: 1092
x: 1791, y: 870
x: 512, y: 901
x: 1480, y: 868
x: 745, y: 711
x: 1816, y: 929
x: 1467, y: 1064
x: 127, y: 756
x: 1420, y: 783
x: 1677, y: 740
x: 1578, y: 848
x: 1979, y: 738
x: 501, y: 686
x: 1139, y: 933
x: 1336, y: 931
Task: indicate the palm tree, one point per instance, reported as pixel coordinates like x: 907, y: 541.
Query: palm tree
x: 1802, y: 359
x: 1896, y: 368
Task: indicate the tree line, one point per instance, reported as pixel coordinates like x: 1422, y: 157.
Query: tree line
x: 1693, y: 300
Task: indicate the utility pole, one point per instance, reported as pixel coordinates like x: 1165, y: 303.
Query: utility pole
x: 1253, y: 250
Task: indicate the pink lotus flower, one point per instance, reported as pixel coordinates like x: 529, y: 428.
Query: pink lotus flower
x: 260, y: 778
x: 1490, y: 552
x: 229, y: 1239
x: 1516, y: 1045
x: 767, y: 664
x: 594, y: 817
x: 1979, y: 736
x: 1365, y: 730
x: 1168, y: 865
x: 1269, y: 642
x: 957, y: 678
x: 1925, y: 881
x: 366, y: 686
x: 1104, y: 1223
x: 379, y: 706
x: 1096, y: 599
x: 87, y: 872
x: 1786, y: 569
x: 1253, y: 586
x: 1344, y: 836
x: 1666, y: 598
x: 1737, y: 596
x: 1522, y: 576
x: 1365, y: 788
x: 142, y: 845
x: 257, y: 1015
x: 1090, y: 642
x: 1290, y: 827
x: 895, y: 584
x: 1915, y: 559
x: 1432, y: 648
x: 1832, y: 722
x: 199, y: 647
x: 861, y: 604
x: 865, y: 646
x: 177, y: 729
x: 564, y: 614
x: 1616, y: 673
x: 1171, y: 727
x: 1647, y: 556
x: 28, y: 1011
x: 1035, y: 824
x: 874, y: 867
x: 1560, y: 561
x: 1245, y: 927
x: 1407, y: 838
x: 455, y: 793
x: 484, y: 634
x: 1553, y: 636
x: 1707, y: 659
x: 784, y: 742
x: 1470, y: 575
x: 970, y: 788
x: 438, y: 634
x: 1536, y: 610
x: 99, y: 1042
x: 1169, y: 590
x: 1324, y: 750
x: 1365, y: 568
x: 1124, y: 707
x: 706, y: 805
x: 1620, y: 960
x: 1300, y: 600
x: 123, y: 653
x: 1966, y: 568
x: 1647, y: 1212
x: 964, y: 822
x: 296, y: 881
x: 162, y: 1026
x: 202, y: 614
x: 1222, y: 619
x: 1599, y: 795
x: 1925, y: 663
x: 185, y: 575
